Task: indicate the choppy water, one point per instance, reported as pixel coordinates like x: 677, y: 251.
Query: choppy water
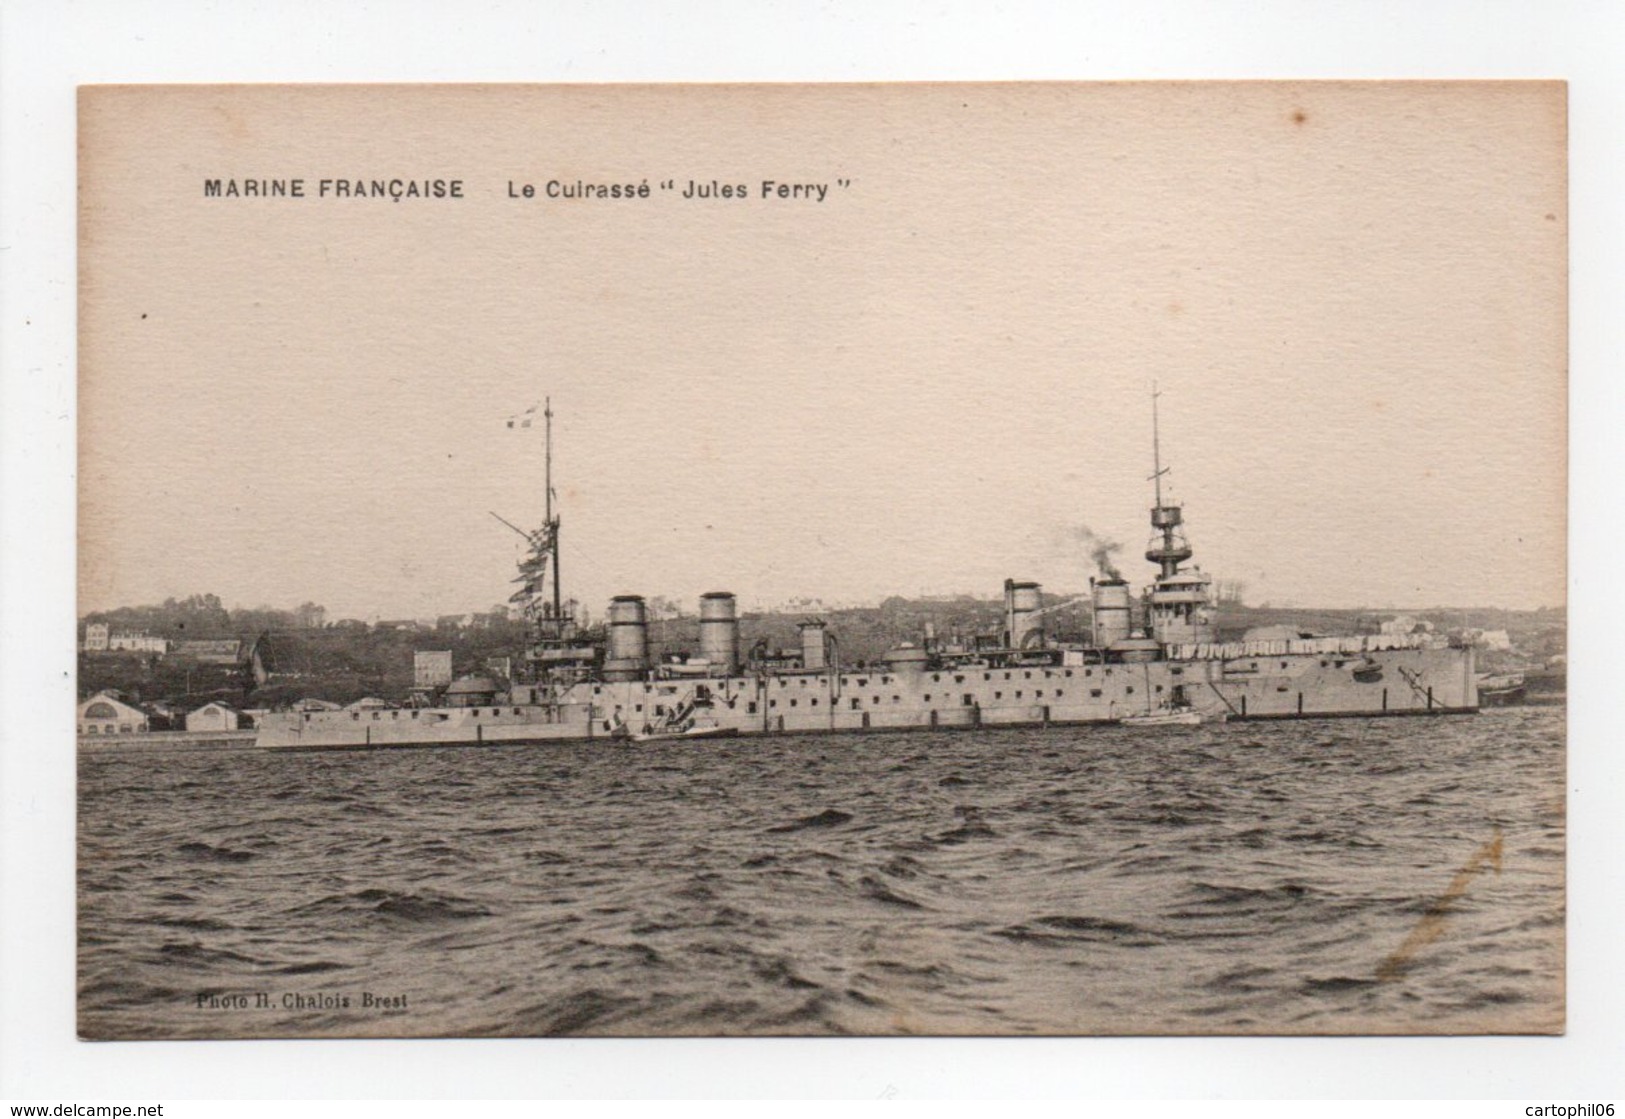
x: 1240, y: 878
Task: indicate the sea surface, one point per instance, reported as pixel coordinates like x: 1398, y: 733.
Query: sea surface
x: 1352, y: 875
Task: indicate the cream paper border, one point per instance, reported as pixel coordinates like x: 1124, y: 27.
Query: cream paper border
x: 51, y: 54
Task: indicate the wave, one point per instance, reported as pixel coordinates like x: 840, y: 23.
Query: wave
x: 1337, y: 984
x: 1086, y: 929
x: 1225, y: 896
x: 579, y: 1012
x: 1239, y: 980
x: 829, y: 818
x: 974, y: 827
x: 315, y: 967
x: 426, y: 908
x: 876, y: 890
x: 196, y: 924
x: 194, y: 954
x: 781, y: 972
x: 440, y: 852
x: 903, y: 866
x: 203, y: 852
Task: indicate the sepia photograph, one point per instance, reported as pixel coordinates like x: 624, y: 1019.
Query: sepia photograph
x: 910, y: 559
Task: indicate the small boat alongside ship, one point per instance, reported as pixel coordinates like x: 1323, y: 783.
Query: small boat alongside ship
x: 1158, y: 657
x: 691, y: 730
x: 1169, y: 716
x: 1508, y: 689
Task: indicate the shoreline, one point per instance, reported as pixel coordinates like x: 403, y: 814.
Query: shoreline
x: 169, y: 740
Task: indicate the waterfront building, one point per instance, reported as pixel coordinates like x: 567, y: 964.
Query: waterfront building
x: 213, y: 716
x: 105, y: 714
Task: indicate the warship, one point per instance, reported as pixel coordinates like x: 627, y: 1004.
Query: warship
x: 1151, y: 660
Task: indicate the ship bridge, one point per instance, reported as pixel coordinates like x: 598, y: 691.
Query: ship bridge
x: 1179, y: 609
x: 1181, y: 587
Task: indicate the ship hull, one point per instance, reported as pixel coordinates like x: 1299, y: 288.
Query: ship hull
x: 397, y: 727
x: 1392, y: 682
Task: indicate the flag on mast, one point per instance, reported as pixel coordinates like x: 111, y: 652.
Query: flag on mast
x: 523, y: 419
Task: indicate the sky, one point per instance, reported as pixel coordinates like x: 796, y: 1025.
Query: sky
x: 1352, y: 298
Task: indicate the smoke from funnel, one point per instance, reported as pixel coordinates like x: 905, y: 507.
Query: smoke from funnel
x: 1101, y: 551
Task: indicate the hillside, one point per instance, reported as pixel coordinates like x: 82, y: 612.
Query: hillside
x: 303, y: 655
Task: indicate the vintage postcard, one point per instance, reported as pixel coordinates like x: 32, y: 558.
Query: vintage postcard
x: 1004, y: 559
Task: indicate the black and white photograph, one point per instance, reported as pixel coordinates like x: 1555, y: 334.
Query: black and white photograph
x: 936, y: 559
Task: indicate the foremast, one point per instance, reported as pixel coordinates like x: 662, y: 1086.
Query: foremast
x: 1177, y: 605
x: 557, y: 647
x: 550, y: 622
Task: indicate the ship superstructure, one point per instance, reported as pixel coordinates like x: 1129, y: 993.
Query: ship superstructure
x: 1160, y: 655
x: 560, y: 652
x: 1178, y: 606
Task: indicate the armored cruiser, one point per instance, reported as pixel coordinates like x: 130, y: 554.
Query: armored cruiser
x: 1144, y: 660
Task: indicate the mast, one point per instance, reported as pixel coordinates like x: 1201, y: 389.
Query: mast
x: 1156, y: 446
x: 552, y: 523
x: 1177, y: 606
x: 1168, y: 548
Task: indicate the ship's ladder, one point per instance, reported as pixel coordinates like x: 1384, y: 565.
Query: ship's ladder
x: 679, y: 713
x: 1422, y: 693
x: 1224, y: 699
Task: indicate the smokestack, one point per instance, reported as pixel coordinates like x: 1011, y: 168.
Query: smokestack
x: 1112, y: 611
x: 1021, y: 602
x: 627, y: 657
x: 814, y: 646
x: 719, y: 632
